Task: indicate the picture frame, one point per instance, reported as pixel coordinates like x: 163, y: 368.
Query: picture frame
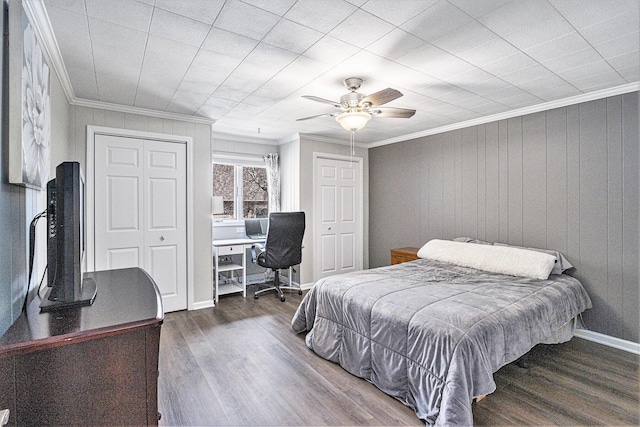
x: 29, y: 103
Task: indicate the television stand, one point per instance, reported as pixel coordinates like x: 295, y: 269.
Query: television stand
x: 93, y: 365
x: 87, y: 296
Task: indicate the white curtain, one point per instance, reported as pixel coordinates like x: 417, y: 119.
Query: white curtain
x: 273, y: 181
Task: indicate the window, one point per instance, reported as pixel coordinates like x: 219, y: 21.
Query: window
x: 243, y: 189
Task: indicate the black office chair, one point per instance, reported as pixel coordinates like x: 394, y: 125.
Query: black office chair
x: 282, y: 248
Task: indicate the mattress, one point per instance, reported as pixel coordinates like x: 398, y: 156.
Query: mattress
x: 432, y: 334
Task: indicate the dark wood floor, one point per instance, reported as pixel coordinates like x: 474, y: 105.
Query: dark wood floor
x: 241, y: 364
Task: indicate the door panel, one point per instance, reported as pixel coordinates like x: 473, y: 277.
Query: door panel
x: 123, y: 216
x: 162, y: 194
x: 123, y: 258
x: 328, y: 205
x: 329, y: 253
x: 162, y: 264
x: 347, y: 204
x: 348, y: 243
x: 124, y: 156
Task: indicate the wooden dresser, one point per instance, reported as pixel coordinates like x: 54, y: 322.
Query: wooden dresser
x: 93, y: 365
x: 400, y: 255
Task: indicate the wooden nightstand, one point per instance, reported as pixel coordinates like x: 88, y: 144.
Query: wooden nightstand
x: 400, y: 255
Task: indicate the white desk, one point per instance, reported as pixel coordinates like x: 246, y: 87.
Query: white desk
x: 234, y: 249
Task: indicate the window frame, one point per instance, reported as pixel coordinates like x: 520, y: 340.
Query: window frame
x: 238, y: 162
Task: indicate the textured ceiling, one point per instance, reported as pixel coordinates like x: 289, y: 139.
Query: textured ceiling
x: 246, y: 64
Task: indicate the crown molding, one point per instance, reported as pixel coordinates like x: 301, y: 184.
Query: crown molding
x: 291, y: 138
x: 39, y: 19
x: 578, y: 99
x: 226, y: 136
x: 79, y: 102
x: 331, y: 140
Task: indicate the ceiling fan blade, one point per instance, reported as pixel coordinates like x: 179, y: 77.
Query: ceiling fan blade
x: 395, y: 113
x: 324, y: 101
x: 319, y: 115
x: 382, y: 97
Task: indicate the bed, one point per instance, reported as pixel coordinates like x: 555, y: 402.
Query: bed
x: 432, y: 333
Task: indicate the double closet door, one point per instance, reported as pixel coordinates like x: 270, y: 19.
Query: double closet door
x: 140, y: 211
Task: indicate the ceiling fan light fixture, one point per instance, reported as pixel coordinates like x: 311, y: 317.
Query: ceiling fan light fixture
x: 354, y: 120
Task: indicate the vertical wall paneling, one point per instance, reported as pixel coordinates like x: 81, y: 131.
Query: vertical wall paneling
x: 448, y: 190
x: 481, y: 207
x: 18, y: 277
x: 593, y: 205
x: 457, y: 183
x: 422, y: 185
x: 614, y: 209
x: 469, y: 181
x: 556, y: 195
x: 114, y: 119
x: 534, y: 179
x: 6, y: 206
x: 503, y: 183
x: 155, y: 125
x: 514, y: 168
x: 98, y: 117
x: 136, y: 122
x: 630, y: 230
x: 492, y: 193
x: 564, y: 179
x: 573, y: 185
x: 436, y: 188
x: 84, y: 116
x: 18, y: 206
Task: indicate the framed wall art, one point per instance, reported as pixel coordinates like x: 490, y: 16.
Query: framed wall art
x: 29, y: 103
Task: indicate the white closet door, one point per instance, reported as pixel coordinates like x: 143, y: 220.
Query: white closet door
x: 119, y: 228
x: 165, y: 202
x: 338, y: 234
x: 140, y: 211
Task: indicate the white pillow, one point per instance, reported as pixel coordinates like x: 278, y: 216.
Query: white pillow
x: 495, y: 259
x: 561, y: 265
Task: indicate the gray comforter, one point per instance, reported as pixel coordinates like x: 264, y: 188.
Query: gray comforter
x: 432, y: 334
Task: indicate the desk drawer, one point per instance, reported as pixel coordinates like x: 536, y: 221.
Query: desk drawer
x: 230, y: 250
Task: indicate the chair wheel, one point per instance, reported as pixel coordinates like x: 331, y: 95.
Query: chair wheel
x: 300, y: 292
x: 282, y: 299
x: 255, y: 297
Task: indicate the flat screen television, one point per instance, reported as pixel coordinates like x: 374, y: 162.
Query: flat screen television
x: 66, y: 241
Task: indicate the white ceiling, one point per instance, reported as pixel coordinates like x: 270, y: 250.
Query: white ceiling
x: 245, y: 63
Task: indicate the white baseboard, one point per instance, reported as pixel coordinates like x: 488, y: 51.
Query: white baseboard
x: 307, y: 286
x: 609, y: 341
x: 202, y: 304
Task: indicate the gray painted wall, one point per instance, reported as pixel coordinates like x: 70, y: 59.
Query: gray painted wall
x: 12, y: 219
x: 564, y: 179
x: 18, y: 205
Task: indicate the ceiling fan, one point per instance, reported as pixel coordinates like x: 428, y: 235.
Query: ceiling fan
x: 357, y: 109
